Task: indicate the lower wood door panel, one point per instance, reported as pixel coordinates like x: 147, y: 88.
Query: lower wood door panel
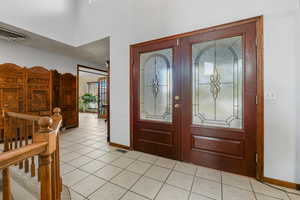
x: 218, y: 146
x: 156, y: 140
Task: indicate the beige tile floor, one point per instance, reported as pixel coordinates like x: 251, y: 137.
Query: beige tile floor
x: 95, y: 171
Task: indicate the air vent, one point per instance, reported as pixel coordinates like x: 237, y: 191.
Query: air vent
x: 121, y: 151
x: 10, y: 35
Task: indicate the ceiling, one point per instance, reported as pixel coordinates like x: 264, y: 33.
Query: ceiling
x: 96, y: 52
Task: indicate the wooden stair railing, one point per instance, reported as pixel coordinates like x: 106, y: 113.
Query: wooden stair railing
x: 19, y: 149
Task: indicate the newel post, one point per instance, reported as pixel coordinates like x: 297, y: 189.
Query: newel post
x: 56, y: 178
x: 45, y: 135
x: 56, y: 117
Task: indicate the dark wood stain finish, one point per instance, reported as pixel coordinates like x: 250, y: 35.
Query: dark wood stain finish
x: 39, y: 91
x: 159, y: 138
x: 36, y: 91
x: 68, y: 100
x: 218, y: 154
x: 230, y: 150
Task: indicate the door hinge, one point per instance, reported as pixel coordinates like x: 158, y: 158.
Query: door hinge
x: 256, y: 100
x: 256, y: 157
x: 256, y: 42
x: 133, y: 67
x: 178, y: 42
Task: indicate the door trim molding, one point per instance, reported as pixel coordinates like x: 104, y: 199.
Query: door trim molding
x: 278, y: 182
x: 119, y: 146
x: 260, y: 80
x: 108, y: 91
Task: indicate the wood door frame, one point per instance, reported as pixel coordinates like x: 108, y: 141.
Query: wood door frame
x: 260, y: 81
x: 108, y: 93
x: 101, y: 79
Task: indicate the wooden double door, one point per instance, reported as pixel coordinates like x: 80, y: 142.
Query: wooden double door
x: 194, y: 98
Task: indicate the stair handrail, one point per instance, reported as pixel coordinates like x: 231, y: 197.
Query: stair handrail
x: 45, y: 144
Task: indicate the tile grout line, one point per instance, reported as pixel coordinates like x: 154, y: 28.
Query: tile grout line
x: 165, y: 181
x: 89, y: 174
x: 253, y: 191
x: 222, y: 194
x: 78, y: 168
x: 129, y: 190
x: 267, y: 195
x: 152, y: 164
x: 190, y: 193
x: 77, y: 194
x: 109, y: 181
x: 143, y: 175
x: 106, y: 182
x: 75, y: 167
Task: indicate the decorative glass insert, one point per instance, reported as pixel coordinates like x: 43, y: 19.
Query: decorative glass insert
x: 218, y: 83
x: 156, y: 85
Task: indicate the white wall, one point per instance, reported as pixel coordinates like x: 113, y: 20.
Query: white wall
x: 153, y: 19
x: 297, y: 50
x: 11, y: 52
x: 54, y: 19
x: 112, y: 19
x: 280, y: 114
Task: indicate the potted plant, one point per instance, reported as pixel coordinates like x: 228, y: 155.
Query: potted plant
x: 85, y: 100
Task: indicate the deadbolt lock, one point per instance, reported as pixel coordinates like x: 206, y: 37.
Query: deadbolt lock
x: 176, y: 105
x: 177, y: 98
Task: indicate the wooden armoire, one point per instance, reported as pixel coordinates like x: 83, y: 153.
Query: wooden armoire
x: 67, y: 100
x: 37, y: 91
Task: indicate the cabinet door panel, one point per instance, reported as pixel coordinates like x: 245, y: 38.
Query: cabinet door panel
x: 68, y: 100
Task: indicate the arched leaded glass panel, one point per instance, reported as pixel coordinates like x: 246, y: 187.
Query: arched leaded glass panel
x: 218, y: 83
x: 156, y: 85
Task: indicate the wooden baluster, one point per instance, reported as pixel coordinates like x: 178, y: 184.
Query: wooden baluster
x: 57, y: 160
x: 15, y: 133
x: 54, y: 177
x: 32, y: 167
x: 6, y: 132
x: 38, y: 159
x: 6, y: 184
x: 10, y: 133
x: 46, y: 157
x: 26, y: 143
x: 21, y: 137
x: 39, y: 170
x: 46, y: 184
